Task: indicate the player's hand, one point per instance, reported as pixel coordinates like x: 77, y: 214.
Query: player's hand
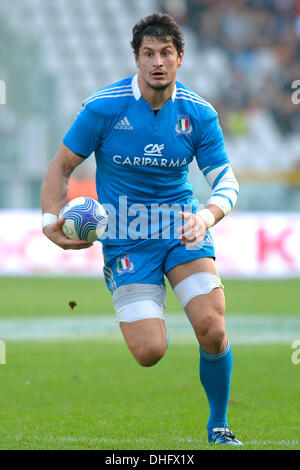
x: 193, y: 229
x: 55, y: 234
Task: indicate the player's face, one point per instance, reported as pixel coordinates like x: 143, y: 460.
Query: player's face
x: 158, y: 62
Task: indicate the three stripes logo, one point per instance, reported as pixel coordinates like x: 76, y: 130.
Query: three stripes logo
x: 124, y: 124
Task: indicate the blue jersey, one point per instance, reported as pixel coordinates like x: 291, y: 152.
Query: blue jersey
x: 145, y: 157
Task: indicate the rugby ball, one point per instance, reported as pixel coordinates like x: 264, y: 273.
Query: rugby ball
x: 86, y: 219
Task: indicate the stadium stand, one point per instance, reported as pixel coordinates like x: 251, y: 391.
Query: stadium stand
x: 249, y: 53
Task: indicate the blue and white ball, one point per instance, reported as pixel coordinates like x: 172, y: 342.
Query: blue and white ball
x: 86, y: 219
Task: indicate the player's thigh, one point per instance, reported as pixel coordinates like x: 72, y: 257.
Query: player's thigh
x: 184, y: 270
x: 206, y: 314
x: 140, y: 314
x: 199, y: 289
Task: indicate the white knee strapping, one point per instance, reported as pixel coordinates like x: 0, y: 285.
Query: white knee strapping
x: 139, y: 311
x: 196, y: 284
x: 139, y: 301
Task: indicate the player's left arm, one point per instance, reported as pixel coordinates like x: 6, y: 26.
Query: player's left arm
x: 221, y: 179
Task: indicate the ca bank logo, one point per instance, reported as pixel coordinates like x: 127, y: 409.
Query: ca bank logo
x: 153, y: 150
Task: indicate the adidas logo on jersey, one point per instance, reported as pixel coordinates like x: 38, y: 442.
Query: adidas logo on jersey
x: 124, y: 124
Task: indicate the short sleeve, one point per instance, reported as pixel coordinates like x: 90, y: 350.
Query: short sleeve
x: 84, y: 136
x: 210, y: 147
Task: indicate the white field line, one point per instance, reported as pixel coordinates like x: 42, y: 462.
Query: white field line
x: 146, y: 441
x: 241, y: 329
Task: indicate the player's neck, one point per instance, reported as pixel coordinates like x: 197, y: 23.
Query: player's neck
x: 155, y: 97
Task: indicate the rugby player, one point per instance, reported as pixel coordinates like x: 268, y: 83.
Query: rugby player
x: 145, y: 130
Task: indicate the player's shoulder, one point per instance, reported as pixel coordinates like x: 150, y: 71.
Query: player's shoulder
x: 112, y: 98
x: 193, y: 104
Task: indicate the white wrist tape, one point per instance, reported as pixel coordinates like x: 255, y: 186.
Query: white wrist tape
x: 208, y: 216
x: 225, y: 192
x: 48, y: 219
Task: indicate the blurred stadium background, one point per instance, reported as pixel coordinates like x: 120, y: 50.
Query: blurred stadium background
x: 242, y: 56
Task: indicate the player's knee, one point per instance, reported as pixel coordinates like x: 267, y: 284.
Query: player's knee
x: 149, y: 354
x: 211, y: 333
x: 215, y: 339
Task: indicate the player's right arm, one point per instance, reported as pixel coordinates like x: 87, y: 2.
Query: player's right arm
x: 53, y: 197
x: 83, y: 137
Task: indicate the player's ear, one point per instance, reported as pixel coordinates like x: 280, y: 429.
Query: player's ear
x: 136, y: 58
x: 180, y: 58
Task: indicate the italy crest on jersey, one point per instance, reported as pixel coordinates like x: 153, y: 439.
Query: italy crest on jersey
x: 183, y: 125
x: 124, y: 265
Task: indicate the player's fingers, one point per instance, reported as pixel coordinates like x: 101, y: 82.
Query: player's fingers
x: 198, y: 239
x: 186, y: 215
x: 60, y: 222
x: 193, y: 243
x: 82, y: 247
x: 189, y: 221
x: 194, y: 236
x: 193, y: 230
x: 75, y: 244
x: 57, y: 237
x: 188, y: 239
x: 68, y: 243
x: 188, y: 235
x: 187, y: 227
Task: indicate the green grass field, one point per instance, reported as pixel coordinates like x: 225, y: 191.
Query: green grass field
x: 90, y: 394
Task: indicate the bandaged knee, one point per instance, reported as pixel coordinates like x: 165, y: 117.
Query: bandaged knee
x: 135, y: 302
x: 194, y: 285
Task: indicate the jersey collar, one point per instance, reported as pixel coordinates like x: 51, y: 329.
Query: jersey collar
x: 137, y: 92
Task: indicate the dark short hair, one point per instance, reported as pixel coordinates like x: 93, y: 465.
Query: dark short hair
x: 160, y: 26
